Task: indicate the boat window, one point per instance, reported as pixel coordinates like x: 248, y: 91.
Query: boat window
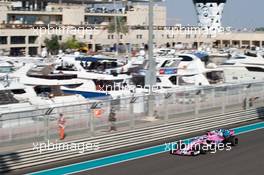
x: 18, y: 91
x: 186, y: 80
x: 215, y: 77
x: 239, y: 57
x: 186, y: 58
x: 42, y: 90
x: 6, y: 69
x: 7, y: 98
x: 99, y: 66
x: 228, y: 64
x: 72, y: 86
x: 158, y: 80
x: 255, y: 69
x: 173, y: 80
x: 67, y: 67
x: 166, y: 63
x: 251, y: 54
x: 46, y: 91
x: 170, y: 63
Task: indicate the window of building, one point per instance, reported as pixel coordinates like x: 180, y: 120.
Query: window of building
x: 32, y: 39
x: 18, y: 39
x: 32, y: 51
x: 3, y: 39
x: 110, y: 36
x: 17, y: 51
x: 121, y: 36
x: 188, y: 36
x: 139, y: 36
x: 91, y: 36
x: 60, y: 37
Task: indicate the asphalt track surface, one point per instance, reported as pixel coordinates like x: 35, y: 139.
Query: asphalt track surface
x: 245, y: 159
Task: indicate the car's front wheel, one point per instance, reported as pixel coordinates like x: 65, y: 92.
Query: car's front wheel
x: 232, y: 140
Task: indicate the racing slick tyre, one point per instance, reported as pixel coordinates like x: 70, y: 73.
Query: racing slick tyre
x: 232, y: 140
x: 202, y: 150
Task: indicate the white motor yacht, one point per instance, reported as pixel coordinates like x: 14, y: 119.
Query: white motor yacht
x: 244, y: 68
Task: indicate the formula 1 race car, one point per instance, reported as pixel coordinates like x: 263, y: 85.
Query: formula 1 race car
x: 211, y: 141
x: 224, y: 136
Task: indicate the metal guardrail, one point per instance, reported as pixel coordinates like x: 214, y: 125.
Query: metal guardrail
x: 29, y: 157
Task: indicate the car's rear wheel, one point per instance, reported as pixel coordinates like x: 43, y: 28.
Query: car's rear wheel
x: 202, y: 150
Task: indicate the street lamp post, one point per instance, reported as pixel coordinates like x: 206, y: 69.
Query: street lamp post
x: 116, y: 30
x: 150, y: 78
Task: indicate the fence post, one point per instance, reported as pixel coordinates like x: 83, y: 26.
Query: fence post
x: 150, y: 104
x: 46, y: 126
x: 213, y: 97
x: 131, y: 112
x: 92, y: 122
x: 197, y: 103
x: 224, y: 100
x: 166, y: 113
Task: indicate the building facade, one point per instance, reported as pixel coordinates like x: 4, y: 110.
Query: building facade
x: 24, y: 26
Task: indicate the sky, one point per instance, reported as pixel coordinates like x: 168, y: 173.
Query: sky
x: 237, y: 13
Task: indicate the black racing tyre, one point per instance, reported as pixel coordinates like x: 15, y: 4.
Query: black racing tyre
x: 236, y: 141
x: 202, y: 150
x: 232, y: 140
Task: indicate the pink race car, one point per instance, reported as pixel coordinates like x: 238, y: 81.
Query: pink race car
x: 208, y: 142
x: 224, y: 136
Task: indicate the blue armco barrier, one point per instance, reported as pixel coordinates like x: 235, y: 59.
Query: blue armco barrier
x: 110, y: 160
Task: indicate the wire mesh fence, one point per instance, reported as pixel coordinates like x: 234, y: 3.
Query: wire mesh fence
x: 101, y: 117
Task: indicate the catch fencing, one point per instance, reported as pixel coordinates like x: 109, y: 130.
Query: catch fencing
x: 92, y: 118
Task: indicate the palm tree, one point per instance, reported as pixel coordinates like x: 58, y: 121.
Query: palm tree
x: 52, y: 44
x: 118, y: 26
x: 71, y: 43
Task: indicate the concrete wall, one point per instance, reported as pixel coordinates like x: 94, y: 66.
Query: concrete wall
x: 3, y: 11
x: 139, y: 16
x: 73, y: 15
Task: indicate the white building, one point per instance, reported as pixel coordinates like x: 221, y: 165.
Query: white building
x: 25, y: 24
